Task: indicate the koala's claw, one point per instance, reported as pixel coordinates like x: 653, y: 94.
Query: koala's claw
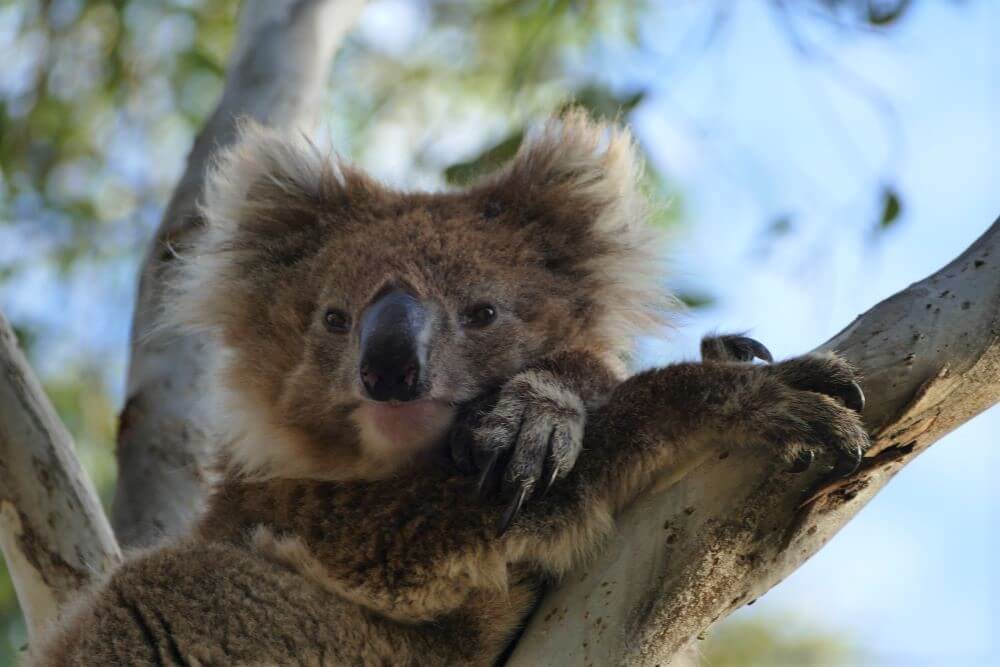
x: 817, y: 406
x: 824, y: 374
x: 515, y: 506
x: 551, y: 478
x: 848, y: 463
x: 802, y: 462
x: 734, y: 347
x: 462, y: 436
x: 522, y: 440
x: 855, y: 398
x: 486, y: 476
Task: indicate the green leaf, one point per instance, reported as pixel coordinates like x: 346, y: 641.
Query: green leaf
x: 891, y: 208
x: 197, y: 59
x: 463, y: 173
x: 883, y: 13
x: 694, y: 299
x: 666, y: 208
x: 26, y: 337
x: 603, y: 103
x: 780, y: 226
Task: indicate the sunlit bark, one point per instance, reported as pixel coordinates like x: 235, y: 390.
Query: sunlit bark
x: 731, y: 526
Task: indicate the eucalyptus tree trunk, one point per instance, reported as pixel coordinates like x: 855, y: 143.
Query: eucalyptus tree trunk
x: 277, y: 75
x: 715, y: 533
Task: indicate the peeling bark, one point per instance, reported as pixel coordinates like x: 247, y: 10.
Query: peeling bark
x: 730, y: 525
x: 277, y: 75
x: 53, y: 532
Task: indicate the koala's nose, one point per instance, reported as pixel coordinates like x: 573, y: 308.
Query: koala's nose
x: 393, y: 347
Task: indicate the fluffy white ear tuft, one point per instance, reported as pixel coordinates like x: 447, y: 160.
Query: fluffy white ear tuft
x: 596, y: 165
x: 264, y: 204
x: 264, y: 173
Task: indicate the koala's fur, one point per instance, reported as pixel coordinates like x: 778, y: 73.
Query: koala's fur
x: 323, y: 543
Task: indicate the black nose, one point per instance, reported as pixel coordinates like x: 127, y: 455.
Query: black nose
x: 393, y: 347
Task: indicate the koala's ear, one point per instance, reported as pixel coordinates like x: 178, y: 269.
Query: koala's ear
x: 575, y: 171
x: 575, y: 190
x: 270, y: 202
x: 268, y: 183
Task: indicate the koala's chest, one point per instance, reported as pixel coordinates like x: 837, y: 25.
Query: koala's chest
x: 412, y: 553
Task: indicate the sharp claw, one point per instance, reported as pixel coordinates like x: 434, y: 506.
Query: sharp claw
x: 849, y: 464
x: 855, y: 398
x: 744, y: 348
x: 504, y: 523
x: 484, y: 477
x: 802, y: 462
x: 760, y: 351
x: 550, y: 470
x: 551, y: 480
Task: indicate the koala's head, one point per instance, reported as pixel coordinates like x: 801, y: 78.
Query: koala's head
x: 351, y: 319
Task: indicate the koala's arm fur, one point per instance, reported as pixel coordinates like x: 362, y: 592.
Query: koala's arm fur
x: 659, y: 418
x: 410, y: 570
x: 528, y: 434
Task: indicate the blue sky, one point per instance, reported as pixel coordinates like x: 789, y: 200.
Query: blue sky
x: 913, y: 578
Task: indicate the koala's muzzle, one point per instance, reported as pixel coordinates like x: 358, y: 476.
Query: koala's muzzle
x: 393, y: 347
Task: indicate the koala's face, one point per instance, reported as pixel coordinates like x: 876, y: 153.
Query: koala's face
x: 419, y: 307
x: 353, y: 319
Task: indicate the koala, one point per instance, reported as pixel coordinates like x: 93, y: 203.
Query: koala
x: 424, y: 411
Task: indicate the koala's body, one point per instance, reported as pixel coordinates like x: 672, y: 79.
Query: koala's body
x: 406, y: 383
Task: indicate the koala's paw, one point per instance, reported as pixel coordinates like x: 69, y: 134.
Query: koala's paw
x: 524, y: 438
x: 733, y: 347
x: 817, y: 405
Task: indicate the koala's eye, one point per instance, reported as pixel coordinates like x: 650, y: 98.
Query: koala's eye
x: 337, y: 321
x: 480, y: 315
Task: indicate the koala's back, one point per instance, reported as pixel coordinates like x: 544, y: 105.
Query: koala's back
x: 218, y: 604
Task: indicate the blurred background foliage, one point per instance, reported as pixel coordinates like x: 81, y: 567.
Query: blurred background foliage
x: 100, y: 99
x: 776, y: 642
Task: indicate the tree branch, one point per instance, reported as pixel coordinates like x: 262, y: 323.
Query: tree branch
x: 731, y: 525
x: 277, y: 76
x: 53, y: 532
x: 719, y: 532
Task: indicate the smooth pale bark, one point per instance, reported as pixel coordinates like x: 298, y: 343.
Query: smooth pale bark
x: 732, y: 525
x: 277, y: 76
x: 726, y: 528
x: 53, y: 532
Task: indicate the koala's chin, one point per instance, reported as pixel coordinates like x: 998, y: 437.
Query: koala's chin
x: 399, y: 431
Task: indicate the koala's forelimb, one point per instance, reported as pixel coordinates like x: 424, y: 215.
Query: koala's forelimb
x: 656, y: 419
x: 524, y: 436
x: 738, y: 347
